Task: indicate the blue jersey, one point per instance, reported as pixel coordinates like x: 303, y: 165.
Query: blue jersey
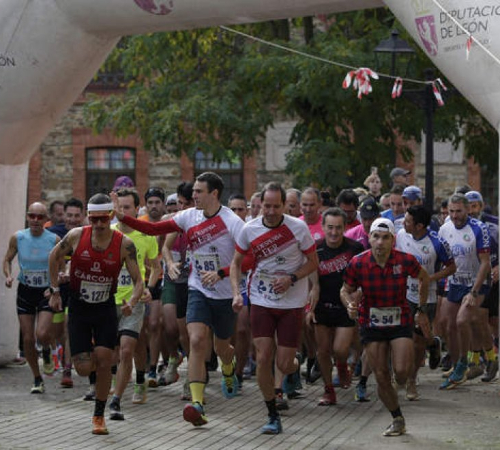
x: 431, y: 252
x: 33, y: 257
x: 491, y: 223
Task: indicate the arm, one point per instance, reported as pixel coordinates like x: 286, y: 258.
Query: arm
x: 313, y: 297
x: 235, y: 277
x: 150, y: 228
x: 7, y: 261
x: 282, y: 284
x: 471, y: 299
x: 423, y: 292
x: 173, y: 268
x: 448, y: 270
x: 129, y: 257
x: 155, y: 271
x: 349, y: 300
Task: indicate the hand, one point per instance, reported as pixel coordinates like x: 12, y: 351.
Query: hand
x: 209, y: 277
x: 62, y: 277
x: 146, y: 296
x: 174, y: 270
x: 422, y: 322
x: 471, y: 300
x: 9, y: 281
x: 237, y: 302
x: 282, y: 284
x: 118, y: 213
x: 494, y: 274
x: 55, y: 302
x: 352, y: 310
x: 126, y: 309
x: 310, y: 318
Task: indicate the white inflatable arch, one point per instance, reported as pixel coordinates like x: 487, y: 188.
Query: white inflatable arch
x: 50, y: 49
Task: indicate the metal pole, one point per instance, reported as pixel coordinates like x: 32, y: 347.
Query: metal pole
x: 429, y: 142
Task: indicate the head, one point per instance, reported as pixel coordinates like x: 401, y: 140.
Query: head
x: 73, y: 213
x: 310, y: 203
x: 417, y: 219
x: 255, y: 204
x: 207, y: 190
x: 462, y: 189
x: 348, y: 201
x: 333, y: 224
x: 382, y: 237
x: 99, y: 213
x: 369, y: 210
x: 396, y: 200
x: 36, y: 217
x: 123, y: 182
x: 56, y: 212
x: 374, y: 184
x: 128, y: 201
x: 458, y: 209
x: 476, y: 204
x: 412, y: 195
x: 326, y: 201
x: 292, y: 206
x: 238, y: 204
x: 273, y: 198
x: 385, y: 201
x: 400, y: 176
x: 185, y: 195
x: 155, y: 198
x: 172, y: 204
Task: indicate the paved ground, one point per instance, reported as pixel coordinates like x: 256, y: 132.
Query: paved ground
x: 465, y: 418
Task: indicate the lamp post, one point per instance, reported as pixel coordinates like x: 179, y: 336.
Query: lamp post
x: 423, y: 98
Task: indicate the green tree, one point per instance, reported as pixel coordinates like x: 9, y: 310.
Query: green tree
x: 215, y: 91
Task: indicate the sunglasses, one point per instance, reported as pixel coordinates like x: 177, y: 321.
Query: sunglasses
x: 36, y: 216
x: 96, y: 219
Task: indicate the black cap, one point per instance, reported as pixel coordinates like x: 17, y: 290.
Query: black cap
x: 369, y: 208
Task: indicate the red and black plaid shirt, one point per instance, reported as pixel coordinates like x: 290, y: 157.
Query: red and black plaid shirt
x: 382, y: 287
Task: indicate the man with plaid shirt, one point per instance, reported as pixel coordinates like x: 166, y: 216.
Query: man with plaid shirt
x: 385, y: 320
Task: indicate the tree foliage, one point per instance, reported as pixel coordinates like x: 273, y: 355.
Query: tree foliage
x: 213, y: 90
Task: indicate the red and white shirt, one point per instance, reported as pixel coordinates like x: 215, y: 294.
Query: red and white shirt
x: 277, y: 251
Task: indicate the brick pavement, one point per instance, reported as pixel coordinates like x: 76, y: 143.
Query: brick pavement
x: 464, y: 418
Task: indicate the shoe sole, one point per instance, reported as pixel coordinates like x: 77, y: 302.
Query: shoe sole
x: 116, y: 417
x: 192, y: 415
x: 271, y: 432
x: 326, y: 403
x: 100, y: 432
x: 394, y: 434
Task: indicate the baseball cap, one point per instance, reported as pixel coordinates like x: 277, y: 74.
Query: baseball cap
x: 369, y: 208
x: 155, y: 192
x: 382, y: 224
x: 474, y: 196
x: 123, y: 182
x: 397, y: 171
x: 412, y: 193
x: 171, y: 199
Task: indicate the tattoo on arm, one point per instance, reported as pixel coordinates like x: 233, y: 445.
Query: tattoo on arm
x: 65, y: 246
x: 131, y: 251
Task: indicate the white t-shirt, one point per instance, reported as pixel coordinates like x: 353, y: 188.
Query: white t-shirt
x: 278, y: 251
x: 211, y: 244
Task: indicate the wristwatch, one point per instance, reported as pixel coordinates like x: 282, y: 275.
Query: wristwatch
x: 221, y: 274
x: 422, y: 309
x: 475, y: 293
x: 293, y: 277
x: 54, y: 290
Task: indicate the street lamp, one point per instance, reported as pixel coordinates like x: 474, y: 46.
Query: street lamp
x: 423, y: 98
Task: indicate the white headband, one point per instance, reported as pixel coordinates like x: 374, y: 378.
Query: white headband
x: 102, y: 207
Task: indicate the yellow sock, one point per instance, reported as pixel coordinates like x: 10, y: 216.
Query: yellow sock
x: 490, y: 354
x: 227, y: 369
x: 197, y: 389
x: 475, y: 358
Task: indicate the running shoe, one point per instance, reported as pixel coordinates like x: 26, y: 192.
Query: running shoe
x: 329, y: 397
x: 459, y: 374
x: 99, y: 425
x: 446, y: 363
x: 396, y: 428
x: 229, y: 383
x: 194, y: 413
x: 281, y: 403
x: 360, y: 393
x: 38, y: 387
x: 152, y: 380
x: 66, y: 380
x: 171, y: 374
x: 48, y: 367
x: 90, y: 395
x: 474, y: 371
x: 344, y: 376
x: 273, y: 426
x: 315, y: 374
x: 186, y: 391
x: 140, y: 394
x: 491, y: 371
x: 19, y: 361
x: 435, y: 353
x: 447, y: 373
x: 411, y: 390
x: 115, y: 412
x: 113, y: 385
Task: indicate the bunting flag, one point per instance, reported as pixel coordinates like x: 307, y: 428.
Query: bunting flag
x: 437, y: 85
x: 397, y: 89
x: 468, y: 47
x: 361, y: 81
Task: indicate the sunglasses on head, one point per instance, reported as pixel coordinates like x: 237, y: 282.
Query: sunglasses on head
x: 104, y: 218
x: 36, y: 216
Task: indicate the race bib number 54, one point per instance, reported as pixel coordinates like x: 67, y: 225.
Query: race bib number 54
x: 385, y: 317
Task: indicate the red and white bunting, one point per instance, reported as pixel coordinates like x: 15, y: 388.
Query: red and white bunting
x: 468, y: 46
x: 361, y: 81
x: 437, y: 85
x: 397, y: 89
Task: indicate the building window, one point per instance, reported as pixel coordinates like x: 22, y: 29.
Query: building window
x: 105, y: 165
x: 230, y: 170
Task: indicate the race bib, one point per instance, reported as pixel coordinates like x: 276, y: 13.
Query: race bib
x: 385, y: 317
x: 124, y: 279
x: 265, y: 286
x: 412, y: 286
x: 463, y: 278
x: 207, y: 262
x: 176, y: 256
x: 94, y: 292
x: 36, y: 278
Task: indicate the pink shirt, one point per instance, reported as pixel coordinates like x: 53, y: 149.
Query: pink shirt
x: 358, y: 234
x: 316, y: 229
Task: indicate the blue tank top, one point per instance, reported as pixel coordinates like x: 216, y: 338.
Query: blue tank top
x: 33, y: 257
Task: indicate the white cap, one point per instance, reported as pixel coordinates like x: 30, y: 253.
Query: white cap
x: 171, y: 199
x: 383, y: 224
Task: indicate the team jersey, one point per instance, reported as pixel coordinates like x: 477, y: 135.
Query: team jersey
x: 431, y: 252
x: 358, y: 234
x: 210, y: 242
x: 384, y: 303
x: 277, y: 252
x: 399, y: 224
x: 33, y: 257
x: 491, y: 223
x: 466, y: 244
x: 94, y: 274
x: 315, y: 228
x: 180, y: 254
x: 146, y: 248
x: 332, y: 264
